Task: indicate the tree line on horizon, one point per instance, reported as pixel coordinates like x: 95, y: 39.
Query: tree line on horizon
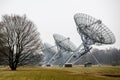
x: 109, y: 56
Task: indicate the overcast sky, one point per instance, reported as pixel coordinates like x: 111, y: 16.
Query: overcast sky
x: 56, y: 16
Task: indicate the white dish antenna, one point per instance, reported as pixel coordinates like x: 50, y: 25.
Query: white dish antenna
x: 93, y: 29
x: 64, y: 42
x: 48, y: 47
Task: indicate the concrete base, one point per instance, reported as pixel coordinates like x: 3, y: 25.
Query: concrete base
x: 68, y: 65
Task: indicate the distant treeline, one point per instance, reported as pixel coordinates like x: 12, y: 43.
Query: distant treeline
x: 109, y: 56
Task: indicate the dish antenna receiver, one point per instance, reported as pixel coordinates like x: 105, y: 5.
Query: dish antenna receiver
x: 64, y: 43
x: 49, y: 51
x: 92, y: 31
x: 64, y: 46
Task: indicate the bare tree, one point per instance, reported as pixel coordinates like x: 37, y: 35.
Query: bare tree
x: 2, y: 42
x: 21, y: 38
x: 34, y: 60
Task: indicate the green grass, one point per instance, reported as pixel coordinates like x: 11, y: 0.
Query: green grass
x: 61, y: 73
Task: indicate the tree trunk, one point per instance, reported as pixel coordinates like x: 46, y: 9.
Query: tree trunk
x: 13, y: 68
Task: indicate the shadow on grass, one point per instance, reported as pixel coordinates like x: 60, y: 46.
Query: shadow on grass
x: 112, y: 75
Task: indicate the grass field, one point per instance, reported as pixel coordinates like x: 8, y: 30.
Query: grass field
x: 61, y: 73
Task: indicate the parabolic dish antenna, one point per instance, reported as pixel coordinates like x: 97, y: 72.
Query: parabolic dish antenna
x: 64, y: 42
x: 48, y: 47
x: 49, y: 52
x: 65, y: 48
x: 93, y: 29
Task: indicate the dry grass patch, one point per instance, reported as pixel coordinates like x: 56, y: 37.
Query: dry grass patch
x: 60, y: 73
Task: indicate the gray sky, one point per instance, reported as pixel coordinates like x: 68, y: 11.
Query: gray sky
x: 56, y: 16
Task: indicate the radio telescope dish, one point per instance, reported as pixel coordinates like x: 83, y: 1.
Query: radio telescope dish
x: 64, y: 42
x: 94, y: 29
x: 49, y: 51
x: 48, y: 47
x: 65, y: 48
